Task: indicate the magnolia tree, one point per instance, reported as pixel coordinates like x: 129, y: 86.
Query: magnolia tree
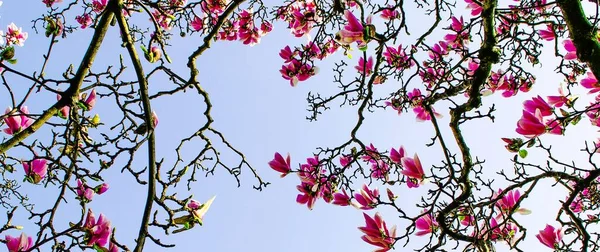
x: 443, y: 62
x: 65, y: 147
x: 456, y: 61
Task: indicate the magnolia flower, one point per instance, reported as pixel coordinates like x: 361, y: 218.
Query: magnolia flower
x: 97, y: 231
x: 101, y: 188
x: 197, y: 24
x: 85, y: 20
x: 547, y: 34
x: 413, y: 170
x: 341, y: 199
x: 367, y: 199
x: 426, y: 224
x: 531, y: 124
x: 509, y: 201
x: 196, y: 214
x: 90, y: 100
x: 377, y: 233
x: 397, y: 155
x: 281, y: 165
x: 15, y: 36
x: 365, y: 67
x: 18, y: 244
x: 352, y: 32
x: 84, y: 193
x: 35, y: 170
x: 571, y: 50
x: 550, y: 236
x: 16, y: 123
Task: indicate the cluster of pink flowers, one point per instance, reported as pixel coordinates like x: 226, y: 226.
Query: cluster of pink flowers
x: 243, y: 28
x: 85, y: 193
x: 17, y: 122
x: 538, y: 118
x: 507, y: 83
x: 416, y: 99
x: 459, y: 37
x: 379, y: 168
x: 397, y: 57
x: 301, y: 16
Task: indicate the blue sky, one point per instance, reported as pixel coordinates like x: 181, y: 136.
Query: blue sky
x: 260, y: 114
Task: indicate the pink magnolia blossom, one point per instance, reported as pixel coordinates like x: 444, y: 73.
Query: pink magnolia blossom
x: 550, y: 236
x: 101, y: 188
x: 113, y: 248
x: 505, y: 232
x: 367, y: 199
x: 287, y: 54
x: 379, y: 169
x: 154, y: 119
x: 571, y: 50
x: 214, y: 6
x: 547, y: 34
x: 89, y: 100
x: 197, y: 24
x: 376, y: 233
x: 97, y: 231
x: 363, y: 67
x: 280, y: 164
x: 371, y: 154
x: 591, y: 83
x: 508, y: 202
x: 99, y: 5
x: 472, y: 66
x: 64, y: 111
x: 397, y: 58
x: 307, y: 195
x: 530, y: 125
x: 475, y: 7
x: 265, y: 27
x: 49, y: 3
x: 559, y: 100
x: 295, y: 72
x: 16, y: 123
x: 341, y: 199
x: 18, y: 244
x: 352, y: 32
x: 426, y: 224
x: 345, y: 160
x: 198, y: 210
x: 413, y: 170
x: 84, y: 20
x: 390, y: 13
x: 84, y: 192
x: 538, y: 103
x: 35, y: 170
x: 397, y: 155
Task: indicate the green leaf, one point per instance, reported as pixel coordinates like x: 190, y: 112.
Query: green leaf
x: 523, y: 153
